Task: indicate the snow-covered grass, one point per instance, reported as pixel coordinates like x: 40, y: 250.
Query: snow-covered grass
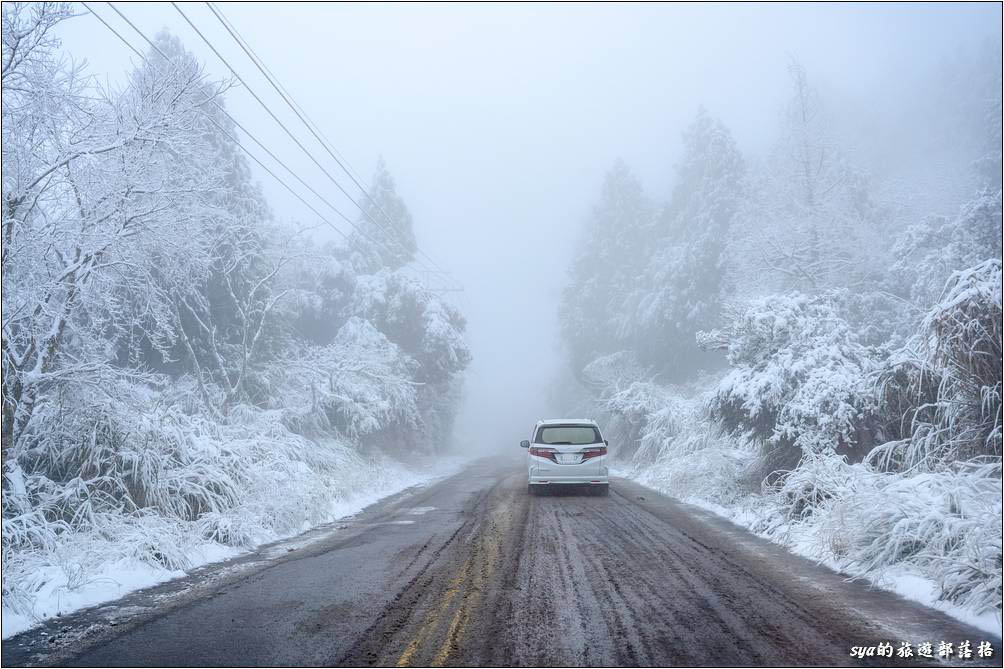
x: 679, y: 447
x: 60, y: 585
x: 945, y: 525
x: 103, y: 562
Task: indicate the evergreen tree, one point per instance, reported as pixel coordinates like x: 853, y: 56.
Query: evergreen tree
x: 594, y: 318
x: 684, y: 289
x: 988, y: 167
x: 386, y: 239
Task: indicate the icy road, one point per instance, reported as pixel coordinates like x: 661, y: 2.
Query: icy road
x: 473, y: 571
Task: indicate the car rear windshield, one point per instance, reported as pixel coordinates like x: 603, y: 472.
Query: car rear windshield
x: 567, y: 434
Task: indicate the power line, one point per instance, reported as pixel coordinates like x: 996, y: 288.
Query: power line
x: 210, y: 118
x: 249, y: 134
x: 237, y: 123
x: 281, y: 124
x: 274, y: 80
x: 302, y: 115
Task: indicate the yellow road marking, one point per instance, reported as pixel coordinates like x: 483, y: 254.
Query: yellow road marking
x: 405, y: 658
x: 444, y: 651
x: 490, y: 551
x: 488, y: 556
x: 433, y: 618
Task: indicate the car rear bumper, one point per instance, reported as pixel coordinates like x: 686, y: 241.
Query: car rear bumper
x: 543, y: 472
x: 545, y: 479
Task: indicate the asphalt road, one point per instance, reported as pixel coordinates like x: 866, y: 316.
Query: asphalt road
x: 474, y: 571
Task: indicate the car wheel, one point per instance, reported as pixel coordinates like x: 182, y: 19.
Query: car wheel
x: 603, y: 490
x: 531, y: 489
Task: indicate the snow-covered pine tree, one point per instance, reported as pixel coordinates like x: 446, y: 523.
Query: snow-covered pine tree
x: 604, y: 272
x: 684, y: 278
x: 384, y: 237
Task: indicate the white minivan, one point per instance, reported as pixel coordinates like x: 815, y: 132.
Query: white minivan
x: 565, y: 452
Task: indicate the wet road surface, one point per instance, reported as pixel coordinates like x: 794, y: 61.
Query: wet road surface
x: 474, y: 571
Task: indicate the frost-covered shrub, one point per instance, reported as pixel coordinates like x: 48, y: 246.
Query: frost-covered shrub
x: 629, y: 412
x: 356, y: 385
x: 614, y: 371
x: 625, y: 396
x: 815, y: 401
x: 879, y: 319
x: 906, y: 396
x: 964, y: 339
x: 927, y: 253
x: 800, y: 492
x: 945, y: 525
x: 798, y: 382
x: 130, y: 475
x: 664, y: 435
x: 940, y: 396
x: 684, y: 453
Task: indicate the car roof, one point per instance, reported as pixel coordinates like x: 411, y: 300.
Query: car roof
x: 567, y: 421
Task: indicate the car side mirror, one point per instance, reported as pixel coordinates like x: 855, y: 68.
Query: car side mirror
x: 606, y: 443
x: 524, y: 444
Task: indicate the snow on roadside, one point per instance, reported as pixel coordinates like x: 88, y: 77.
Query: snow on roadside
x: 900, y: 579
x: 63, y: 591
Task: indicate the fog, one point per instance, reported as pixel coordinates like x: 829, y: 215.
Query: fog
x: 759, y: 244
x: 498, y: 123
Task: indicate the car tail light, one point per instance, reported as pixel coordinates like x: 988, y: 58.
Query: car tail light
x: 593, y: 452
x: 547, y: 453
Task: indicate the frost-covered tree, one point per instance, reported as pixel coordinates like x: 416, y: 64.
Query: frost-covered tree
x: 684, y: 278
x: 926, y: 254
x: 861, y: 406
x: 427, y: 329
x: 97, y: 202
x: 384, y: 237
x: 966, y: 144
x: 358, y: 384
x: 989, y: 167
x: 798, y: 380
x: 326, y: 293
x: 604, y: 273
x: 222, y: 303
x: 811, y: 219
x: 177, y: 368
x: 416, y: 319
x: 322, y: 285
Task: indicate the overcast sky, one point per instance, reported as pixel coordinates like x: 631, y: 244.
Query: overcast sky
x: 498, y: 122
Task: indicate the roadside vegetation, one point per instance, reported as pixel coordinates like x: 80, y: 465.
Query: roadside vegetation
x: 811, y: 346
x: 183, y: 367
